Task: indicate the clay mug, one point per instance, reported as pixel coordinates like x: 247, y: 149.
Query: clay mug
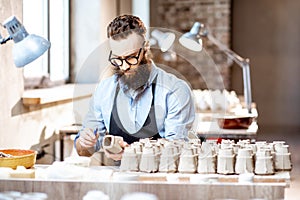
x: 111, y: 143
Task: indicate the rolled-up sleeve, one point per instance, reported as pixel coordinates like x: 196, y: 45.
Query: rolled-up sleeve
x: 94, y: 118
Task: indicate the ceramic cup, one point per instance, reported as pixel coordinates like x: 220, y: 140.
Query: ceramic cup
x: 111, y: 143
x: 187, y: 164
x: 187, y: 151
x: 168, y: 163
x: 246, y: 152
x: 282, y: 161
x: 207, y: 164
x: 129, y: 162
x: 244, y: 165
x: 225, y: 152
x: 148, y: 163
x: 260, y: 144
x: 264, y: 165
x: 148, y: 160
x: 206, y: 150
x: 263, y: 153
x: 281, y: 148
x: 225, y: 164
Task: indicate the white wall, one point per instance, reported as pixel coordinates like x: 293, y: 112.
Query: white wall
x: 89, y: 41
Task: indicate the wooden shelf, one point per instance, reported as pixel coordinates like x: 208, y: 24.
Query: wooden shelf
x: 56, y: 94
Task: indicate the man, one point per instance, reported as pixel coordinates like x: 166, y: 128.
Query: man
x: 140, y: 100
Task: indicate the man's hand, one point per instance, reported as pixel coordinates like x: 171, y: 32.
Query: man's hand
x: 86, y: 142
x: 88, y: 138
x: 117, y: 156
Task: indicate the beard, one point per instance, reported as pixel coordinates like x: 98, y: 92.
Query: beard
x: 138, y: 76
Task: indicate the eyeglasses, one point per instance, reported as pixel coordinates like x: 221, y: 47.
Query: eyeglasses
x: 130, y: 60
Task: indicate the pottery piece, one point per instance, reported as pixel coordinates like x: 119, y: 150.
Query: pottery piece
x: 206, y: 150
x: 149, y: 160
x: 206, y: 159
x: 111, y: 143
x: 137, y: 146
x: 187, y: 164
x: 244, y: 165
x: 225, y: 164
x: 225, y: 161
x: 187, y: 160
x: 187, y: 151
x: 263, y: 152
x: 226, y: 144
x: 282, y: 162
x: 225, y: 152
x: 207, y: 164
x: 168, y: 159
x: 260, y: 145
x: 277, y: 144
x: 281, y: 148
x: 130, y: 160
x: 245, y: 152
x: 168, y: 164
x: 244, y: 162
x: 264, y: 165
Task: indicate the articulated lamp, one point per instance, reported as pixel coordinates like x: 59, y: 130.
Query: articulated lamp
x: 192, y: 40
x: 164, y: 40
x: 28, y: 47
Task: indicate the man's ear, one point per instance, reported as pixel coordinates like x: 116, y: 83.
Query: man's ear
x: 147, y: 45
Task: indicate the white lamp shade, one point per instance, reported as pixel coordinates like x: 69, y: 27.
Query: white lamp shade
x: 29, y: 49
x: 165, y: 40
x: 192, y: 40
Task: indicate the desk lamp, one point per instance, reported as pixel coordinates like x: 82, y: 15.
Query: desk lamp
x: 193, y: 41
x: 164, y: 39
x: 28, y: 47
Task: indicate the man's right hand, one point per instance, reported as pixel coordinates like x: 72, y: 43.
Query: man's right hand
x: 88, y: 138
x: 86, y: 142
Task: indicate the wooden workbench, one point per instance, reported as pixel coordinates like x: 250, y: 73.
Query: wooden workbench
x: 227, y: 187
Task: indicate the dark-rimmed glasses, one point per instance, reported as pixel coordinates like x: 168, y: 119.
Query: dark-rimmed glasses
x: 130, y: 60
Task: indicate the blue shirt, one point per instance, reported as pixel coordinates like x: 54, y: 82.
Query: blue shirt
x: 174, y: 106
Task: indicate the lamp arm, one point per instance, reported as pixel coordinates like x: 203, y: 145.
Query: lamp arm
x: 243, y: 63
x: 4, y: 40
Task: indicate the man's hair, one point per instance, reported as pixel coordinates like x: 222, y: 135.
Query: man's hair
x: 124, y: 25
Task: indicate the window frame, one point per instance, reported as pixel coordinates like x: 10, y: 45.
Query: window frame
x: 54, y: 65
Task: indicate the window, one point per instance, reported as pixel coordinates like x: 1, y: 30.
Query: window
x: 49, y: 19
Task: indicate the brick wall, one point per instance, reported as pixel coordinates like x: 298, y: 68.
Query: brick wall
x: 179, y: 16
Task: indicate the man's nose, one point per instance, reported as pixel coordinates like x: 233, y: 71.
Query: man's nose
x: 125, y: 66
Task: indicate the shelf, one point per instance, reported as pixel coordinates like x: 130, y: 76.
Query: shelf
x: 57, y: 94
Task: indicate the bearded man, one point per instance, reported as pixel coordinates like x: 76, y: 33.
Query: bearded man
x: 140, y: 100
